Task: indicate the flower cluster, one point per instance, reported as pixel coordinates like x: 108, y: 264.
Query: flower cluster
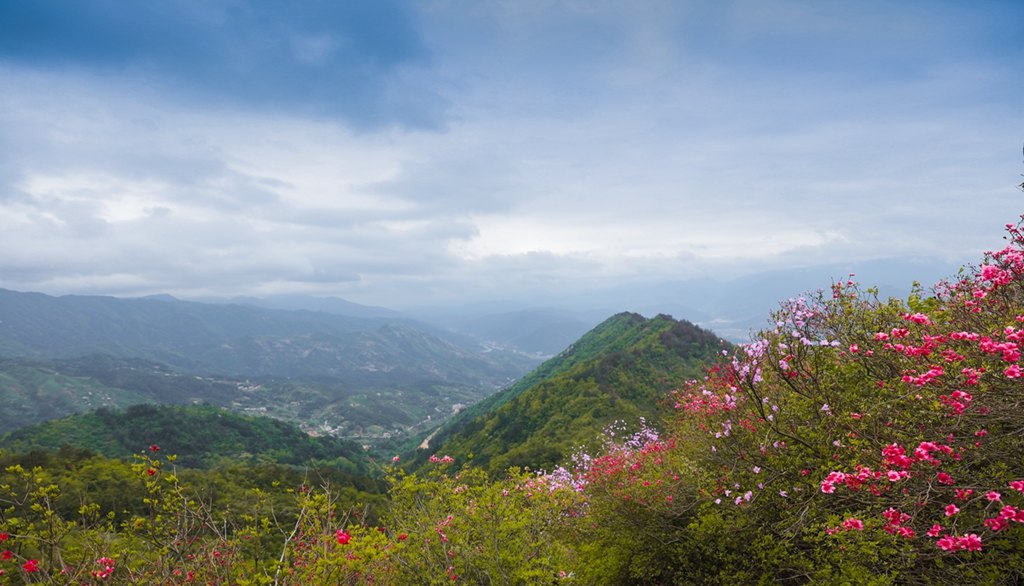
x: 932, y: 396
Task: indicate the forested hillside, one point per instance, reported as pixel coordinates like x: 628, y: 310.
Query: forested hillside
x: 200, y: 437
x: 619, y: 371
x: 33, y: 391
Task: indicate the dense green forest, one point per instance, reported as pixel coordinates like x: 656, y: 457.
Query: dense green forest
x: 618, y: 372
x: 856, y: 440
x: 200, y: 437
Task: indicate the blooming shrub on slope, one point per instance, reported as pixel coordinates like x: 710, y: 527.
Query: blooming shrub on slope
x: 861, y: 439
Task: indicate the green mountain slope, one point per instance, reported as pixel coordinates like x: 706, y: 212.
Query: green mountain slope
x: 200, y: 436
x: 33, y: 391
x: 620, y: 370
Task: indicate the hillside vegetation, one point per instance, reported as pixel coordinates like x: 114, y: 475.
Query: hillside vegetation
x: 200, y: 436
x: 619, y: 371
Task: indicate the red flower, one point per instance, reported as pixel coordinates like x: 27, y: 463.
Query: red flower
x: 853, y: 524
x: 6, y: 554
x: 343, y: 537
x: 970, y: 542
x: 30, y: 566
x: 4, y: 536
x: 947, y: 544
x: 151, y: 471
x: 154, y: 448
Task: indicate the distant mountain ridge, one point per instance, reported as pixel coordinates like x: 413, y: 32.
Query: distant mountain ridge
x: 620, y: 370
x: 543, y: 331
x: 334, y: 305
x: 242, y: 340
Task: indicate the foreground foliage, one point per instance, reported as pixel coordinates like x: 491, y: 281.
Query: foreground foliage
x: 857, y: 441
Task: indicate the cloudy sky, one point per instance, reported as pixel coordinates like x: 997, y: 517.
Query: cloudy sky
x: 400, y: 153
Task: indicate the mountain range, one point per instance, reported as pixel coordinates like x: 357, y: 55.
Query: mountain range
x: 367, y: 377
x: 243, y: 340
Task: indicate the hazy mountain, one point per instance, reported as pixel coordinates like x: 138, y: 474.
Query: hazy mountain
x: 537, y: 331
x: 243, y: 340
x: 734, y: 307
x: 334, y: 305
x: 541, y: 331
x: 620, y: 370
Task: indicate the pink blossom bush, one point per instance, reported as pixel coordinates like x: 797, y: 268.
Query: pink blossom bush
x: 901, y: 417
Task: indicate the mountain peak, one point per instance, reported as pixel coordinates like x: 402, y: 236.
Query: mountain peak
x: 618, y: 371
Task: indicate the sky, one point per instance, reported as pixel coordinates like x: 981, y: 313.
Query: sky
x: 445, y: 152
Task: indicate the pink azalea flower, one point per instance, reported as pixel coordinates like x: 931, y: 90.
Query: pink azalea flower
x: 951, y: 510
x: 970, y: 542
x: 853, y: 524
x: 947, y: 544
x: 996, y: 523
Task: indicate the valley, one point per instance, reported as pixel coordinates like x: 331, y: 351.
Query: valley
x: 368, y: 379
